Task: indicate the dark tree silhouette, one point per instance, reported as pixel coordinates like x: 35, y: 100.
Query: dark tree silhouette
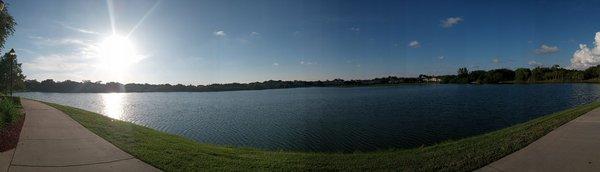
x: 50, y: 85
x: 525, y: 75
x: 7, y: 26
x: 11, y: 76
x: 522, y: 74
x: 495, y: 76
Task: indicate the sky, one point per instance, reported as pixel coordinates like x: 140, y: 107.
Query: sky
x: 205, y: 42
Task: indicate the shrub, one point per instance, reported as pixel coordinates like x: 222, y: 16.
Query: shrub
x: 9, y: 110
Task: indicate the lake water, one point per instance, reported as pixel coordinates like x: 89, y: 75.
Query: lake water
x: 334, y: 119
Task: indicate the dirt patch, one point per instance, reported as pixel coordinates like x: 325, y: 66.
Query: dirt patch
x: 9, y: 136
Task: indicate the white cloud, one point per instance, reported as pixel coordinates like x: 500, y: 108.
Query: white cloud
x: 441, y: 57
x: 534, y: 63
x: 81, y: 30
x: 79, y: 47
x: 355, y: 29
x: 449, y: 22
x: 77, y: 29
x: 302, y: 62
x: 58, y: 63
x: 275, y: 64
x: 585, y: 57
x: 72, y: 42
x: 495, y: 60
x: 42, y: 41
x: 82, y: 55
x: 254, y: 34
x: 546, y: 49
x: 220, y: 33
x: 28, y: 51
x: 81, y: 59
x: 414, y: 44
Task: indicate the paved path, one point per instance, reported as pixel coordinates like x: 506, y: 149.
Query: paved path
x: 574, y: 146
x: 52, y: 141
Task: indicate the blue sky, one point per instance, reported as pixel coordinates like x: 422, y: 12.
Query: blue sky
x: 203, y: 42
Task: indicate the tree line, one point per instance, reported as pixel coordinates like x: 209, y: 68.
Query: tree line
x: 463, y: 76
x: 69, y: 86
x: 524, y: 75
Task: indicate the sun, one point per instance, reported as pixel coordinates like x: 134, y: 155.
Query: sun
x: 117, y: 53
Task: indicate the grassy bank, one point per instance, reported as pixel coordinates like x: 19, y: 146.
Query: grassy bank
x: 174, y: 153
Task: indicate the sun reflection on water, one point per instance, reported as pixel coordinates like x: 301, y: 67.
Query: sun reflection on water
x: 113, y: 105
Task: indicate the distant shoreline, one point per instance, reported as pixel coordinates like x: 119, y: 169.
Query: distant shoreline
x: 341, y: 86
x: 538, y: 75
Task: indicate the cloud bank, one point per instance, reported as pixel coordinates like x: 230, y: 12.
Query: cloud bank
x: 585, y: 56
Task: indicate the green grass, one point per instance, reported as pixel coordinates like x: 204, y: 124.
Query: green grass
x: 175, y: 153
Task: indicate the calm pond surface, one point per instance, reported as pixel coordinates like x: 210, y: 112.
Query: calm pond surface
x: 334, y: 119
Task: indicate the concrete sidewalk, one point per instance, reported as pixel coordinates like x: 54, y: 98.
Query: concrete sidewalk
x: 52, y: 141
x: 574, y: 146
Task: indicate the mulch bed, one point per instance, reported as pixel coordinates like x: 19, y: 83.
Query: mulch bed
x: 9, y: 136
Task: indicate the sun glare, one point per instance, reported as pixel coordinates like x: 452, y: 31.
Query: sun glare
x: 117, y: 53
x: 113, y: 104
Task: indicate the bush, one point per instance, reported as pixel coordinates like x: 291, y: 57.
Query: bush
x: 9, y: 110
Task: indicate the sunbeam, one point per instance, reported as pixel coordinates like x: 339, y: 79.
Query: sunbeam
x: 111, y: 15
x: 143, y: 18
